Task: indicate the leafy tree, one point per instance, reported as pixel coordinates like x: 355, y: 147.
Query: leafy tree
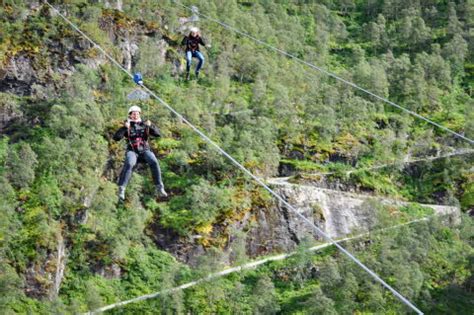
x: 259, y: 106
x: 10, y: 287
x: 436, y: 69
x: 8, y: 223
x: 319, y: 303
x: 264, y: 299
x: 21, y: 163
x: 413, y: 30
x: 456, y: 51
x: 330, y: 277
x: 377, y: 33
x: 372, y: 76
x: 454, y: 26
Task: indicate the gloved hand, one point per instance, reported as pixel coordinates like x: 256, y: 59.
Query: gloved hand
x: 148, y: 123
x: 137, y: 78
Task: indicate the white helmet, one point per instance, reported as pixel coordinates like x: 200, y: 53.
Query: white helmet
x: 194, y: 29
x: 134, y: 108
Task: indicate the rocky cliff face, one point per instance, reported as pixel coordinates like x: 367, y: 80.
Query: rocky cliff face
x: 337, y: 213
x: 266, y: 230
x: 278, y: 229
x: 43, y: 278
x: 41, y: 75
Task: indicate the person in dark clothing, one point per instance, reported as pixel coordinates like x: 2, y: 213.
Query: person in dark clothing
x: 192, y: 42
x: 137, y: 133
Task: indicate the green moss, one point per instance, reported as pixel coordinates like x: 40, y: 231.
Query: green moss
x: 302, y: 165
x: 414, y: 210
x: 259, y: 106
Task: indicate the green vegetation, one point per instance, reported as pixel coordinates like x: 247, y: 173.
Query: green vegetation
x: 58, y: 164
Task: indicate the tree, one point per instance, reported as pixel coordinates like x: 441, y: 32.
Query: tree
x: 49, y: 194
x: 264, y: 299
x: 93, y: 298
x: 346, y: 296
x: 346, y: 6
x: 237, y: 299
x: 10, y: 287
x: 171, y: 303
x: 237, y: 247
x: 436, y: 69
x: 372, y: 297
x: 330, y: 277
x: 392, y: 8
x: 319, y: 303
x: 377, y: 33
x: 413, y: 31
x: 454, y: 25
x: 8, y: 203
x: 372, y: 76
x: 21, y: 163
x: 302, y: 262
x: 456, y: 51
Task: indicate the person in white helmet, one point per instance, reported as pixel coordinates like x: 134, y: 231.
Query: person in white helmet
x: 192, y: 42
x: 137, y: 134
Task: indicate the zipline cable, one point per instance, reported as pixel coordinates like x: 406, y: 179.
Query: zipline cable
x: 383, y: 99
x: 245, y: 170
x: 240, y: 268
x: 401, y: 163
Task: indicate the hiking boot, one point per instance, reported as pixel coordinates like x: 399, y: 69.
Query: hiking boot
x: 197, y: 74
x: 160, y: 191
x: 121, y: 193
x: 187, y: 76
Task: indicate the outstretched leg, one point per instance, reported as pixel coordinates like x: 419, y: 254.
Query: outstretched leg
x: 189, y: 59
x: 124, y: 178
x: 200, y: 57
x: 151, y: 159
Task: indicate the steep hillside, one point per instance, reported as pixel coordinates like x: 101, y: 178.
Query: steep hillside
x: 68, y: 246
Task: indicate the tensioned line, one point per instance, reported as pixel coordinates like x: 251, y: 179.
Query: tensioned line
x: 401, y: 163
x: 240, y: 268
x: 385, y: 100
x: 245, y: 170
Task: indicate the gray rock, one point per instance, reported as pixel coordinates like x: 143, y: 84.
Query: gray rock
x: 9, y: 112
x: 18, y: 76
x: 110, y: 272
x: 43, y: 279
x: 278, y: 229
x: 117, y: 4
x: 336, y: 213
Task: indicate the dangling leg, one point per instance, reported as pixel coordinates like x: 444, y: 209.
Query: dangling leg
x: 200, y: 57
x: 189, y: 59
x: 155, y: 172
x: 130, y: 162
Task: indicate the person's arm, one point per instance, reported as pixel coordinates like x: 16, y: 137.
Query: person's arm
x: 185, y: 41
x: 201, y: 41
x: 120, y: 134
x: 154, y: 131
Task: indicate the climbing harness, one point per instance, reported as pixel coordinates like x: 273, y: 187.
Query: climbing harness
x: 246, y: 171
x: 194, y: 10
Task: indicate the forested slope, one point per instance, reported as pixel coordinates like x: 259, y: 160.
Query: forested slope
x: 67, y: 246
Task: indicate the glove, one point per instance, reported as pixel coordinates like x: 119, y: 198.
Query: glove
x: 137, y: 78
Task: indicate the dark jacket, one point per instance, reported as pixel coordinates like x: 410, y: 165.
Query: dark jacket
x: 192, y: 43
x: 137, y: 136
